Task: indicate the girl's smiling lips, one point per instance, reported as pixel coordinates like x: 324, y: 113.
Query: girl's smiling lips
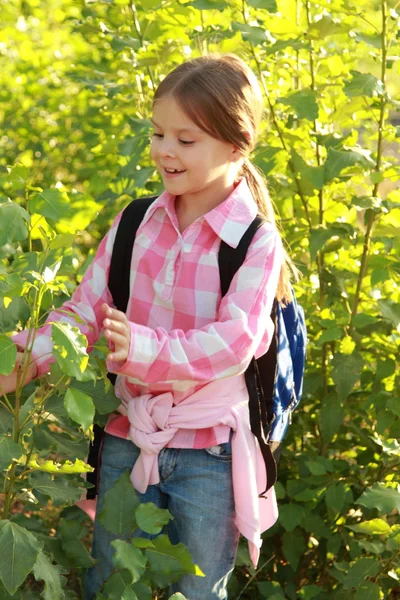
x: 172, y: 173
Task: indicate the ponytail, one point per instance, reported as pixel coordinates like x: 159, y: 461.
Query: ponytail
x: 259, y: 190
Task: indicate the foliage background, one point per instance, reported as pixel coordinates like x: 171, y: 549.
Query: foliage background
x: 77, y: 80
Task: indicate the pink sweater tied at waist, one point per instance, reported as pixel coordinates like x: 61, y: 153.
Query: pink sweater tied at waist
x: 154, y: 420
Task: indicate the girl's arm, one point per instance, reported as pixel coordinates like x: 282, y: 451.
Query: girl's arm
x: 85, y: 303
x: 8, y: 383
x: 223, y: 348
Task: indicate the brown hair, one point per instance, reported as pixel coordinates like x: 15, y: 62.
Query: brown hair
x: 221, y: 95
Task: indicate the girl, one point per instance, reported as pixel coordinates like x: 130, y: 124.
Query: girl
x: 180, y: 351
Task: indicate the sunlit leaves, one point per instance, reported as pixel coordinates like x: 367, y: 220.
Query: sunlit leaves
x: 53, y: 204
x: 363, y: 84
x: 304, y: 104
x: 384, y: 499
x: 372, y: 527
x: 70, y: 349
x: 338, y: 160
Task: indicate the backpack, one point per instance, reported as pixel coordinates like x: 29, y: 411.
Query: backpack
x: 274, y: 381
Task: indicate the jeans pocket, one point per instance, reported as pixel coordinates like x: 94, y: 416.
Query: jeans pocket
x: 220, y: 452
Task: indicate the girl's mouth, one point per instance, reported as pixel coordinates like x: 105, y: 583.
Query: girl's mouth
x: 172, y: 173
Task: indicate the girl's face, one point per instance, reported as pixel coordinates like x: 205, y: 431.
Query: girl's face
x: 193, y: 165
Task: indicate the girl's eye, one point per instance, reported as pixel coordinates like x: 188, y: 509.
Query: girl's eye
x: 157, y: 135
x: 186, y: 143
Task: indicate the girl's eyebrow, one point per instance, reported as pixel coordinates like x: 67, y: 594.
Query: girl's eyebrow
x: 189, y: 129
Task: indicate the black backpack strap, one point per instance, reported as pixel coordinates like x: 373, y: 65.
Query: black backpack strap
x: 260, y: 392
x: 118, y: 284
x: 120, y: 266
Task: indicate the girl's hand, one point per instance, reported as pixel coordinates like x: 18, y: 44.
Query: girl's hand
x: 117, y: 330
x: 8, y: 383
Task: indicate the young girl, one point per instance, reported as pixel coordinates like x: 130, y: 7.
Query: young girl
x: 180, y: 351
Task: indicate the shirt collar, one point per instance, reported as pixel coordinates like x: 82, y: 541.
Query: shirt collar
x: 229, y: 220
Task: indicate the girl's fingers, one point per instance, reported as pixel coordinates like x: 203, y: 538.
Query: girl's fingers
x: 114, y: 314
x: 117, y: 338
x: 115, y: 326
x: 120, y: 356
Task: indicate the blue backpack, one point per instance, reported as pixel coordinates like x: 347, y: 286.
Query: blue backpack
x: 274, y: 380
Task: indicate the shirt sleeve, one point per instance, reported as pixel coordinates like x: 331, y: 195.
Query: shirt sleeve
x: 85, y: 303
x: 223, y: 348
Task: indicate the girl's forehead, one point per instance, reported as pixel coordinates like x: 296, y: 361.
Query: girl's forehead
x: 168, y: 111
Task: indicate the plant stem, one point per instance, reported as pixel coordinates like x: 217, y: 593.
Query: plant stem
x: 371, y: 215
x: 140, y: 38
x: 250, y: 581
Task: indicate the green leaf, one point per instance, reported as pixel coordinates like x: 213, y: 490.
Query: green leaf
x: 372, y: 527
x: 13, y: 223
x: 291, y: 515
x: 18, y: 176
x: 325, y: 26
x: 331, y: 417
x: 152, y: 519
x: 6, y: 421
x: 79, y: 407
x: 293, y: 547
x: 178, y: 596
x: 69, y: 349
x: 312, y: 178
x: 105, y: 401
x: 120, y: 504
x: 128, y: 557
x: 53, y: 204
x: 368, y: 591
x: 363, y: 84
x: 57, y: 489
x: 8, y: 355
x: 315, y: 467
x: 171, y: 560
x: 338, y: 160
x: 139, y: 542
x: 19, y: 551
x: 208, y: 5
x: 269, y: 5
x: 363, y: 568
x: 384, y: 499
x: 9, y: 450
x: 304, y: 104
x: 346, y: 372
x: 365, y: 202
x: 308, y: 592
x: 118, y: 588
x: 390, y: 311
x: 335, y: 497
x: 362, y: 320
x: 256, y: 35
x: 71, y: 533
x: 53, y: 582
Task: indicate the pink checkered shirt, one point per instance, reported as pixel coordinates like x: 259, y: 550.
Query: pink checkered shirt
x: 183, y: 336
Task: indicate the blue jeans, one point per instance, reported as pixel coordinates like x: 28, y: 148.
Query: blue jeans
x: 196, y: 487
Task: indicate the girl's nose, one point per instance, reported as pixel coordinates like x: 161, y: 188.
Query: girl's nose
x: 165, y: 148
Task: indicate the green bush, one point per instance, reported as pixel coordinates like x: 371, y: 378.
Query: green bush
x: 77, y: 79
